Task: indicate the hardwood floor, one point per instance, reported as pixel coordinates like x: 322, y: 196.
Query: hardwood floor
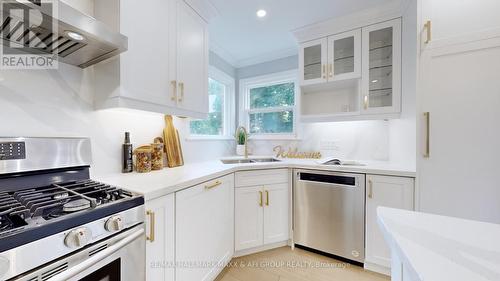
x: 283, y: 264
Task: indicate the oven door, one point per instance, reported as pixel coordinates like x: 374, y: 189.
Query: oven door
x: 119, y: 258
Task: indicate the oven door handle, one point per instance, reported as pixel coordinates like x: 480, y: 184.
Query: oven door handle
x: 66, y: 275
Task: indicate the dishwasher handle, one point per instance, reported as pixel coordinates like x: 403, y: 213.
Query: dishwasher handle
x: 345, y: 180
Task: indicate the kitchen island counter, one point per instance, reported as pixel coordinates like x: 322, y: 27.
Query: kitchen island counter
x: 436, y: 248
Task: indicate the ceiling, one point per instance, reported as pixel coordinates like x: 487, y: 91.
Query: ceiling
x: 239, y: 37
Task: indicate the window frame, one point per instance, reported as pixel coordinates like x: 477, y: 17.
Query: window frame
x: 290, y: 76
x: 229, y: 107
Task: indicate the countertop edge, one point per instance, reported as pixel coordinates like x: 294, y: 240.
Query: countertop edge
x: 233, y: 168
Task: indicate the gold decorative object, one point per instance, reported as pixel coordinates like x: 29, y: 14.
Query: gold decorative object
x: 295, y: 153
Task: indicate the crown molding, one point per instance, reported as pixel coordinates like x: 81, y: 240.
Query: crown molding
x: 352, y: 21
x: 223, y: 53
x: 267, y: 57
x: 204, y: 8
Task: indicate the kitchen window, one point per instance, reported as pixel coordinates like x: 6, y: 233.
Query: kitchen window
x: 218, y: 125
x: 268, y: 105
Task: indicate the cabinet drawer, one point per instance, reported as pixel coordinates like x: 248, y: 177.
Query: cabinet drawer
x: 261, y: 177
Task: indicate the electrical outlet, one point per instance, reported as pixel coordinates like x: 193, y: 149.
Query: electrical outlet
x: 329, y: 145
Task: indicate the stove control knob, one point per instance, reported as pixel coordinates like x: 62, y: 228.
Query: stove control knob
x: 78, y: 237
x: 114, y: 223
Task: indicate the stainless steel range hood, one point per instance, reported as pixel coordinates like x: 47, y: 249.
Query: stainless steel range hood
x: 79, y: 40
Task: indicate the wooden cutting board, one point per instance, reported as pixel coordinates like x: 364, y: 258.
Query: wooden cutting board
x: 172, y: 144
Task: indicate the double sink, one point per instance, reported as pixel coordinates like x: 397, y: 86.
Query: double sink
x: 249, y: 160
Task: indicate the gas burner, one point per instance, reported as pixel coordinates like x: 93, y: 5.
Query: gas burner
x: 76, y: 205
x: 5, y: 223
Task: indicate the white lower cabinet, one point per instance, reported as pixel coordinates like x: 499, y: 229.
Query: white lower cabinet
x: 387, y: 191
x: 160, y: 216
x: 261, y: 213
x: 204, y: 228
x: 248, y: 217
x: 276, y: 227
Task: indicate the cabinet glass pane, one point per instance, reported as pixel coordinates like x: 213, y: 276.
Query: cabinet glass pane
x: 343, y: 55
x: 380, y: 67
x: 312, y: 62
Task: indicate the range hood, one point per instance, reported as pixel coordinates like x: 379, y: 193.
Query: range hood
x: 79, y: 40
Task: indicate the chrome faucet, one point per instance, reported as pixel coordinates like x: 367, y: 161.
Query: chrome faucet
x: 246, y: 138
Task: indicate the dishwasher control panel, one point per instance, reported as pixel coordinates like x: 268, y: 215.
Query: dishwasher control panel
x: 12, y: 150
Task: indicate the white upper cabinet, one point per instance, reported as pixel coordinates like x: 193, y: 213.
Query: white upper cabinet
x: 354, y: 75
x: 381, y: 84
x: 313, y: 57
x: 165, y: 69
x: 192, y: 60
x: 334, y: 58
x: 344, y: 56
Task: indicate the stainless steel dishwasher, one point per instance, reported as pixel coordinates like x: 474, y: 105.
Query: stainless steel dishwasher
x: 329, y: 212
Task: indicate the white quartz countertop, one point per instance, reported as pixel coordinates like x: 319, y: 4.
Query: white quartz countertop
x: 439, y: 248
x: 168, y: 180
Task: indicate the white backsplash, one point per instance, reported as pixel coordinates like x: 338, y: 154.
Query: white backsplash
x: 361, y: 140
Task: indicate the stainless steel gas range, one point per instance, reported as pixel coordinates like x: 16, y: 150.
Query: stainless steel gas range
x: 58, y: 224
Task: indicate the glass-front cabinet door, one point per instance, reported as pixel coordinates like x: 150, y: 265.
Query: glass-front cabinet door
x: 381, y: 90
x: 313, y: 62
x: 344, y: 56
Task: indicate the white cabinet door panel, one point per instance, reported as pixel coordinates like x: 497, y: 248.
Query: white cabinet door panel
x: 160, y: 251
x: 313, y: 60
x: 381, y: 77
x: 455, y: 19
x: 393, y: 192
x: 192, y: 59
x: 276, y: 213
x: 248, y: 218
x: 344, y: 55
x: 204, y: 228
x: 145, y: 68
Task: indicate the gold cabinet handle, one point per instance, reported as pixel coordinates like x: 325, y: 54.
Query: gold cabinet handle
x: 324, y: 71
x: 370, y: 189
x: 428, y: 29
x: 151, y: 236
x: 267, y: 198
x: 427, y: 149
x: 365, y: 102
x: 330, y: 67
x: 181, y: 86
x: 261, y: 201
x: 174, y: 90
x: 215, y: 184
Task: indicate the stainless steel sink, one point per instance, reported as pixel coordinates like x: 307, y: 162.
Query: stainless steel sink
x: 251, y: 160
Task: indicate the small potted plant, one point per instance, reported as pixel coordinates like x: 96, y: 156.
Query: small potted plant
x: 240, y: 142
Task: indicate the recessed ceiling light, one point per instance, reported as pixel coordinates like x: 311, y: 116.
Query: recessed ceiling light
x: 374, y: 81
x: 261, y: 13
x: 75, y: 36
